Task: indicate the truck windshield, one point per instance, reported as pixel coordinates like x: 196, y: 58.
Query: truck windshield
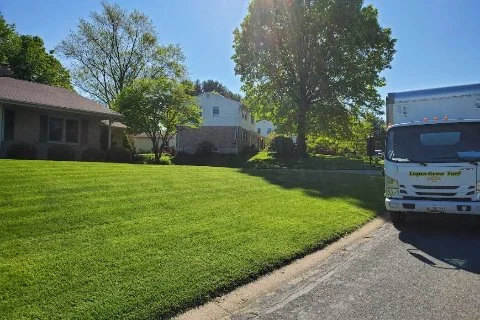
x: 445, y: 142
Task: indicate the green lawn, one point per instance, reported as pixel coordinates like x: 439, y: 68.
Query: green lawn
x: 267, y: 160
x: 98, y: 240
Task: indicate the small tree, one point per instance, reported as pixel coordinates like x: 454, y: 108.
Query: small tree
x: 158, y: 107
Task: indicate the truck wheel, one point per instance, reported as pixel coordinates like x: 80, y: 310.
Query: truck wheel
x: 398, y: 218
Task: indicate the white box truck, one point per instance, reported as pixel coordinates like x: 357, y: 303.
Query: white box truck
x: 432, y: 152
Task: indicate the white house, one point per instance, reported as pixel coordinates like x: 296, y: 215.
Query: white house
x: 143, y: 144
x: 264, y: 127
x: 227, y: 124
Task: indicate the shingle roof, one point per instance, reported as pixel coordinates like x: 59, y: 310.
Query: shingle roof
x: 36, y: 94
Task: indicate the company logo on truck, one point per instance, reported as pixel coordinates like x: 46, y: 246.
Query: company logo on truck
x: 435, y: 174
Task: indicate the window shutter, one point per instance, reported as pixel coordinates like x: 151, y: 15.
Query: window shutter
x: 84, y: 132
x: 43, y: 128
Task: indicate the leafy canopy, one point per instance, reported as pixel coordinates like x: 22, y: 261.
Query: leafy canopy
x: 158, y: 107
x: 310, y: 64
x: 116, y: 47
x: 27, y: 59
x: 215, y: 86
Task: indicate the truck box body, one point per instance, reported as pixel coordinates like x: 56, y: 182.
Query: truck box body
x: 459, y: 102
x: 433, y: 151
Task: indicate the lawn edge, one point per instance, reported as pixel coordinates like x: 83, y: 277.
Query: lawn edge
x: 224, y: 306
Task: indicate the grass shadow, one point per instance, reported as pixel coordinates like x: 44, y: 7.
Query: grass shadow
x: 362, y: 190
x: 269, y: 160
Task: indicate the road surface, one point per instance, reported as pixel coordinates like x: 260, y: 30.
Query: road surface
x: 430, y: 269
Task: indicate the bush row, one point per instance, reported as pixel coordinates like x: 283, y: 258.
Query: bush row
x: 62, y: 152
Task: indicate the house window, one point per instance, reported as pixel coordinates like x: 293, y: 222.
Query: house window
x: 259, y: 130
x: 244, y: 136
x: 55, y: 129
x: 252, y: 120
x: 71, y: 131
x: 216, y: 112
x: 9, y: 125
x: 63, y: 130
x: 244, y: 114
x: 269, y: 130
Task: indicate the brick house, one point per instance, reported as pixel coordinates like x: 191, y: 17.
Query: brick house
x: 226, y: 123
x: 43, y: 115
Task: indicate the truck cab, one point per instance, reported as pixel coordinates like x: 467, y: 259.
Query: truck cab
x: 432, y: 164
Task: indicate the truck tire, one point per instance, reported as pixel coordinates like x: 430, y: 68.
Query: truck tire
x: 398, y: 218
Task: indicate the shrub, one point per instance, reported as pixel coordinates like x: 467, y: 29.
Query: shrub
x: 61, y: 152
x: 204, y: 148
x: 165, y: 161
x: 282, y: 145
x: 22, y: 151
x: 119, y: 155
x: 93, y: 155
x: 170, y: 151
x: 128, y: 142
x: 143, y: 158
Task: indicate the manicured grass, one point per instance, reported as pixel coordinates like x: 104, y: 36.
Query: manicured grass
x: 97, y: 240
x: 267, y: 160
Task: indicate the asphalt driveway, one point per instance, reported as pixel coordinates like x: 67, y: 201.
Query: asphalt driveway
x: 429, y: 269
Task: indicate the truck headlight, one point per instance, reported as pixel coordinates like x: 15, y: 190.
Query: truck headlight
x: 392, y: 189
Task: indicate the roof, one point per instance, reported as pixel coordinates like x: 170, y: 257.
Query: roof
x: 115, y: 124
x: 42, y: 95
x: 435, y: 92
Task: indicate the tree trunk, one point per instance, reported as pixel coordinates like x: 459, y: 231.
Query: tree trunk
x: 155, y: 149
x: 161, y: 149
x: 301, y: 132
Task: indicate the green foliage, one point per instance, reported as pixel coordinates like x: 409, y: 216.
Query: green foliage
x: 22, y: 150
x: 116, y: 47
x: 158, y: 107
x: 149, y: 158
x: 119, y: 155
x: 27, y: 59
x: 310, y: 65
x: 215, y: 86
x: 93, y: 155
x: 204, y: 149
x: 128, y: 142
x: 353, y: 141
x: 114, y: 241
x: 60, y: 152
x: 281, y: 145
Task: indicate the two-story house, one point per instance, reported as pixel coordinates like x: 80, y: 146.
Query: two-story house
x: 227, y: 124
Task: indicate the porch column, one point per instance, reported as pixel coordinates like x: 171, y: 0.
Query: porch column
x: 109, y: 139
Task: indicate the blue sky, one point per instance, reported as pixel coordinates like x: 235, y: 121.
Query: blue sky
x: 438, y: 40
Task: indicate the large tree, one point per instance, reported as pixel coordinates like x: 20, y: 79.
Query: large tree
x: 215, y: 86
x: 304, y: 61
x: 27, y: 59
x: 158, y: 107
x: 116, y: 47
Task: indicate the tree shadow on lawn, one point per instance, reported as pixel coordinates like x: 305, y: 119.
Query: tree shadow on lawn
x: 360, y: 190
x: 366, y: 191
x: 273, y: 161
x: 454, y: 240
